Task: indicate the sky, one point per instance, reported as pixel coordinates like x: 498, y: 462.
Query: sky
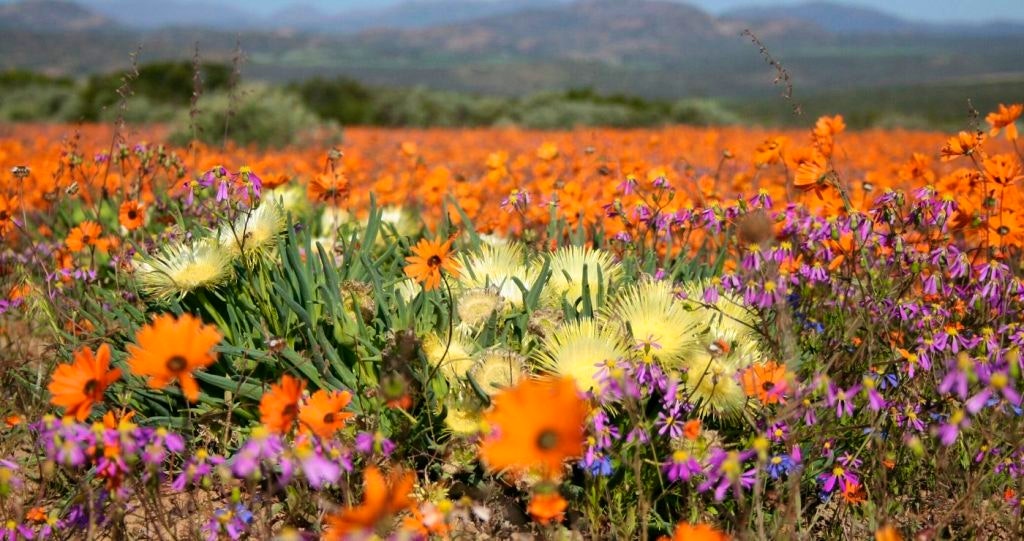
x: 914, y: 10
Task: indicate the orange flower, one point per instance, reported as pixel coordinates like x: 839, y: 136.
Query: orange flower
x: 131, y: 215
x: 279, y: 407
x: 547, y: 507
x: 526, y: 436
x: 770, y: 151
x: 79, y: 385
x: 86, y: 234
x: 381, y: 499
x: 699, y: 532
x: 829, y: 126
x: 8, y: 211
x: 1005, y: 117
x: 13, y: 420
x: 691, y: 429
x: 888, y: 533
x: 853, y: 493
x: 765, y: 381
x: 329, y: 188
x: 963, y: 144
x: 825, y: 130
x: 36, y: 514
x: 429, y: 259
x: 547, y: 151
x: 323, y: 412
x: 813, y: 174
x: 172, y: 348
x: 119, y: 421
x: 1003, y: 169
x: 426, y: 522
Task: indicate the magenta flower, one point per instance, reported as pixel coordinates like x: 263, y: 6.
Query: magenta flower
x: 842, y: 400
x: 681, y: 467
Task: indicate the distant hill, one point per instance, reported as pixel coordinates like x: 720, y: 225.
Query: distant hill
x: 301, y: 16
x: 832, y: 17
x: 841, y: 18
x: 52, y: 16
x: 612, y: 31
x: 652, y: 48
x: 175, y: 13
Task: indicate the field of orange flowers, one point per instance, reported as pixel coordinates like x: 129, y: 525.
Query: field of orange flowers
x: 682, y: 333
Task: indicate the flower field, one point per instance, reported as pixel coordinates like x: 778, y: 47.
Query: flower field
x: 682, y: 333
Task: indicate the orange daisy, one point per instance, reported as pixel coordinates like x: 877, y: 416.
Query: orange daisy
x: 691, y: 429
x: 323, y: 413
x: 279, y: 407
x: 8, y: 210
x: 86, y: 234
x: 548, y: 507
x: 431, y: 258
x: 381, y: 499
x: 1005, y: 117
x: 770, y: 151
x: 766, y: 381
x: 77, y: 386
x: 962, y: 144
x: 853, y: 493
x: 813, y: 174
x: 131, y: 215
x: 1003, y: 169
x: 526, y: 436
x: 888, y: 533
x: 698, y: 532
x: 172, y: 348
x: 330, y: 188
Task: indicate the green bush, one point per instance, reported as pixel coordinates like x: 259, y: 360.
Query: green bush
x: 161, y: 82
x: 701, y: 112
x: 139, y: 110
x: 35, y: 103
x: 259, y: 115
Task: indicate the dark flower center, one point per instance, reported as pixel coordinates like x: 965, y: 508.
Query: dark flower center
x: 90, y: 387
x: 290, y: 410
x: 132, y: 214
x: 547, y: 440
x: 768, y: 385
x: 329, y: 418
x: 4, y: 216
x: 176, y: 364
x: 434, y: 261
x: 86, y: 239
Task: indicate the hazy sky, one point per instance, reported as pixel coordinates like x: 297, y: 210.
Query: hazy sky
x: 915, y: 10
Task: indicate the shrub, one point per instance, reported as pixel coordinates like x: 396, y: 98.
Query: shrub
x: 261, y: 116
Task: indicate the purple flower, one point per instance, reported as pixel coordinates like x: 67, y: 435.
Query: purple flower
x: 375, y: 442
x: 842, y: 400
x: 779, y: 465
x: 681, y: 466
x: 949, y: 431
x: 232, y: 522
x: 837, y: 477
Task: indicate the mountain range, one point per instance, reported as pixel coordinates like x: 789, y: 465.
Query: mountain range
x: 656, y: 48
x: 831, y: 17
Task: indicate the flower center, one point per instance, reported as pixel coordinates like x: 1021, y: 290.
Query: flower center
x: 547, y: 440
x: 86, y: 239
x: 90, y: 387
x: 132, y: 214
x: 329, y: 418
x: 434, y: 261
x: 768, y: 385
x: 176, y: 364
x: 290, y: 410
